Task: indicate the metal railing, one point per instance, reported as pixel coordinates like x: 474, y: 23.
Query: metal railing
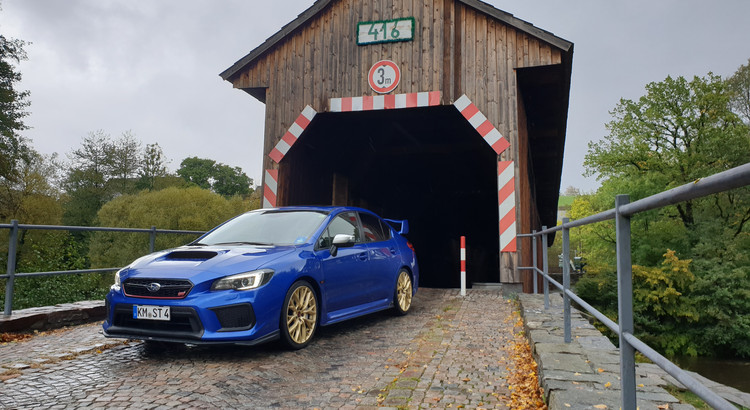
x: 723, y: 181
x: 14, y: 227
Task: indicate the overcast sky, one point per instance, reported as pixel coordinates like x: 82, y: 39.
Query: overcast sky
x: 151, y: 66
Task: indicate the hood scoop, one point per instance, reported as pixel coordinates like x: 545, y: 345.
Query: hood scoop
x: 192, y: 255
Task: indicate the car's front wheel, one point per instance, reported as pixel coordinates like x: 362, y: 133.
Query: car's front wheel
x: 403, y: 293
x: 299, y: 318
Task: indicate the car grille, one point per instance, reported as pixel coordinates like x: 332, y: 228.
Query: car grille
x: 235, y: 317
x: 183, y: 323
x: 166, y: 289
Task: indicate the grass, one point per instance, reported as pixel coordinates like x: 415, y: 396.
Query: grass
x: 565, y: 201
x: 688, y: 397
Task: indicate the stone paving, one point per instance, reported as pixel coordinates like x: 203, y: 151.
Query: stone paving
x: 447, y: 353
x: 585, y: 373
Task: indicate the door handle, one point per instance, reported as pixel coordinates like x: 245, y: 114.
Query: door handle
x: 362, y: 256
x: 393, y: 251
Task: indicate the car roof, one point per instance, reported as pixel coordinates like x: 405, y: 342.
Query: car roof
x: 326, y: 209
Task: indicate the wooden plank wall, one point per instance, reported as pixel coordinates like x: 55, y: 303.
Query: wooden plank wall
x: 457, y: 50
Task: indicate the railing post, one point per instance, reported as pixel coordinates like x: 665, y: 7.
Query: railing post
x: 566, y: 278
x: 11, y: 270
x: 152, y: 239
x: 533, y: 258
x: 625, y: 303
x: 545, y: 268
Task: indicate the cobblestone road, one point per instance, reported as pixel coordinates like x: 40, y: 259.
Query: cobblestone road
x: 448, y: 352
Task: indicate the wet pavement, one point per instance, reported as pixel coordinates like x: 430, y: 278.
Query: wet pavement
x: 448, y: 352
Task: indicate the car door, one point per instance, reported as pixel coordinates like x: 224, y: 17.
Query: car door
x: 345, y: 275
x: 384, y: 256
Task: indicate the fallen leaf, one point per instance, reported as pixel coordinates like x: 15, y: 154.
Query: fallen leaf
x: 608, y: 385
x: 600, y: 406
x: 567, y: 405
x: 600, y: 370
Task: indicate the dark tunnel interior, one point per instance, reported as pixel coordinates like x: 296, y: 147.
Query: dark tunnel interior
x: 427, y: 165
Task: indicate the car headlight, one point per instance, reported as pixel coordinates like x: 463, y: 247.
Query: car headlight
x: 244, y: 281
x: 116, y: 285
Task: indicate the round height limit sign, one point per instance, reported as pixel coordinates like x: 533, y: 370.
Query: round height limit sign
x: 384, y: 76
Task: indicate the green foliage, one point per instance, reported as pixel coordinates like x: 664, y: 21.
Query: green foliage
x: 45, y: 251
x: 13, y: 104
x: 53, y: 290
x: 739, y: 86
x: 659, y: 303
x: 153, y: 167
x: 691, y: 261
x: 220, y: 178
x: 103, y: 168
x: 172, y: 208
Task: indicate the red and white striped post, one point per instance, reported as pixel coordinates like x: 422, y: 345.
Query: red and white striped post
x: 463, y: 266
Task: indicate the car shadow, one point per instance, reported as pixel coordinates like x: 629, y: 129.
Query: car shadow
x: 324, y: 336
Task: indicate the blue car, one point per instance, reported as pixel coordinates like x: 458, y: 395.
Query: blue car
x: 264, y: 275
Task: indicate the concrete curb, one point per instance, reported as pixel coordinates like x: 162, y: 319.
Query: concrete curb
x: 586, y: 372
x: 53, y: 317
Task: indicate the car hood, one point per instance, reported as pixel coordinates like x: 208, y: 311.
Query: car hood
x: 199, y: 263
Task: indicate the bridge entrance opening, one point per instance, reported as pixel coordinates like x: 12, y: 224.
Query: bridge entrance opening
x: 427, y: 165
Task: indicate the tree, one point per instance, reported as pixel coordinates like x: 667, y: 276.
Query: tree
x: 34, y: 197
x: 171, y: 208
x: 691, y: 292
x: 229, y: 181
x: 87, y: 180
x: 124, y: 161
x: 220, y: 178
x: 572, y: 191
x: 101, y: 169
x: 678, y: 132
x: 739, y: 85
x: 13, y: 104
x: 197, y: 171
x: 153, y: 166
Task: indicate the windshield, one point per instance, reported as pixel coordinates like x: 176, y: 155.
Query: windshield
x: 266, y: 228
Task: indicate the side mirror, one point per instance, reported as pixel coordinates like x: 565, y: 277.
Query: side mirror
x: 341, y: 240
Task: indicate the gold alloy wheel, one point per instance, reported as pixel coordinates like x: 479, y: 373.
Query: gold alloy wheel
x: 302, y: 314
x: 404, y: 291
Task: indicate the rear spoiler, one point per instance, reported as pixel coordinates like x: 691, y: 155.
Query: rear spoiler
x: 404, y: 225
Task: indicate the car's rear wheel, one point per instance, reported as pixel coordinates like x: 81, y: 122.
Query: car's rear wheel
x: 299, y: 318
x: 403, y: 293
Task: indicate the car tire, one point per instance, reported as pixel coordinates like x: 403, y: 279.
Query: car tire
x: 299, y: 315
x: 403, y: 293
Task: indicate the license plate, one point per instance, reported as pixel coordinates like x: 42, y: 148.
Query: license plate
x: 151, y: 312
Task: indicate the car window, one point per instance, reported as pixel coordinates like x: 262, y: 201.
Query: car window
x: 371, y: 228
x: 386, y: 229
x: 343, y: 223
x: 267, y: 227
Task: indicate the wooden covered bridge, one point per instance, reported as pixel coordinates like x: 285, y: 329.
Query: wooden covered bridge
x: 449, y: 113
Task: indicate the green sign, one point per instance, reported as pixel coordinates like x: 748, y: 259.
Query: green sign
x: 387, y: 31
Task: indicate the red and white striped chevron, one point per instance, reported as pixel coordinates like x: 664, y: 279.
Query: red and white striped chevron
x: 271, y: 188
x: 506, y: 196
x: 286, y: 142
x: 385, y: 102
x: 480, y: 123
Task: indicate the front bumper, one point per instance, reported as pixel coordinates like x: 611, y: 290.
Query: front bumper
x: 194, y: 320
